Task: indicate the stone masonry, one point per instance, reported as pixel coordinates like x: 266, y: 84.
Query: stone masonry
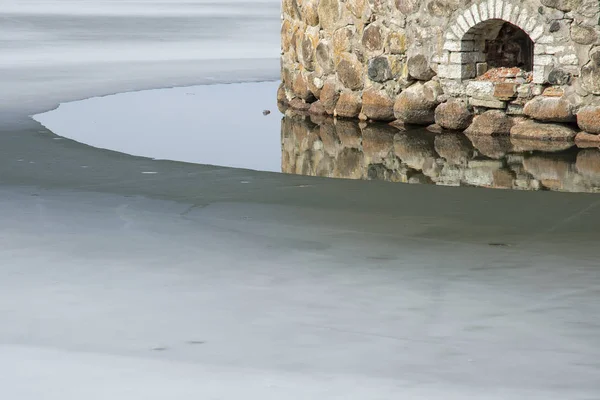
x: 526, y: 68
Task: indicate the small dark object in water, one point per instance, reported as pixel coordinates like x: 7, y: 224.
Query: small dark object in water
x: 266, y: 112
x: 499, y: 244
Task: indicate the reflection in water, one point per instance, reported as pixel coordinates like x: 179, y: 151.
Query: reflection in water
x: 320, y: 146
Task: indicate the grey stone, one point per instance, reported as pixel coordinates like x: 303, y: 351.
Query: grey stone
x: 559, y: 77
x: 379, y: 69
x: 418, y: 68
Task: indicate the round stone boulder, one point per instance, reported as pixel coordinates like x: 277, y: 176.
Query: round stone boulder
x: 583, y: 34
x: 536, y: 130
x: 491, y: 123
x: 588, y: 119
x: 454, y: 115
x: 329, y: 13
x: 350, y: 71
x: 348, y: 105
x: 416, y: 105
x: 549, y: 109
x: 377, y: 105
x: 329, y: 96
x: 418, y: 68
x: 373, y: 38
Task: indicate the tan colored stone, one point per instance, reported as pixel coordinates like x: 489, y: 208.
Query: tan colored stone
x: 541, y: 131
x: 317, y: 108
x: 348, y: 105
x: 397, y: 42
x: 505, y: 91
x: 300, y: 87
x: 583, y: 34
x: 329, y: 96
x: 329, y: 13
x: 342, y: 41
x: 377, y: 105
x: 287, y: 31
x: 588, y: 119
x: 416, y: 105
x: 586, y: 140
x: 454, y: 115
x: 281, y: 96
x: 310, y: 11
x: 307, y: 51
x: 553, y: 91
x: 350, y: 71
x: 549, y: 109
x: 359, y: 8
x: 299, y: 105
x: 492, y: 122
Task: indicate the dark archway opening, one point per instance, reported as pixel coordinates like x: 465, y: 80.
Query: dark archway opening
x: 511, y: 47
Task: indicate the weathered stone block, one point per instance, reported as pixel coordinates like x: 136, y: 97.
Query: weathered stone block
x: 588, y: 119
x: 505, y: 91
x: 537, y: 130
x: 549, y: 109
x: 379, y: 69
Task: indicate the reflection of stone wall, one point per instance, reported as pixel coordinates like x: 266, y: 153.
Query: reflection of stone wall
x: 323, y: 146
x: 401, y: 59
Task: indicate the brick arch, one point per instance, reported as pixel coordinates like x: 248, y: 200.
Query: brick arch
x: 460, y: 49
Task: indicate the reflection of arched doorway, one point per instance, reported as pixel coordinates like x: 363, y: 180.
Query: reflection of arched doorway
x: 497, y: 33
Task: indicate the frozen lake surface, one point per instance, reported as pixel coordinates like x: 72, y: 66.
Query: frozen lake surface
x: 125, y: 277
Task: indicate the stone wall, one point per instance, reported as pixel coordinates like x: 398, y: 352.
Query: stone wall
x: 432, y: 62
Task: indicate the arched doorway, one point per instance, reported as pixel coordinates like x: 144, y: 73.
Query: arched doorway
x: 495, y: 34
